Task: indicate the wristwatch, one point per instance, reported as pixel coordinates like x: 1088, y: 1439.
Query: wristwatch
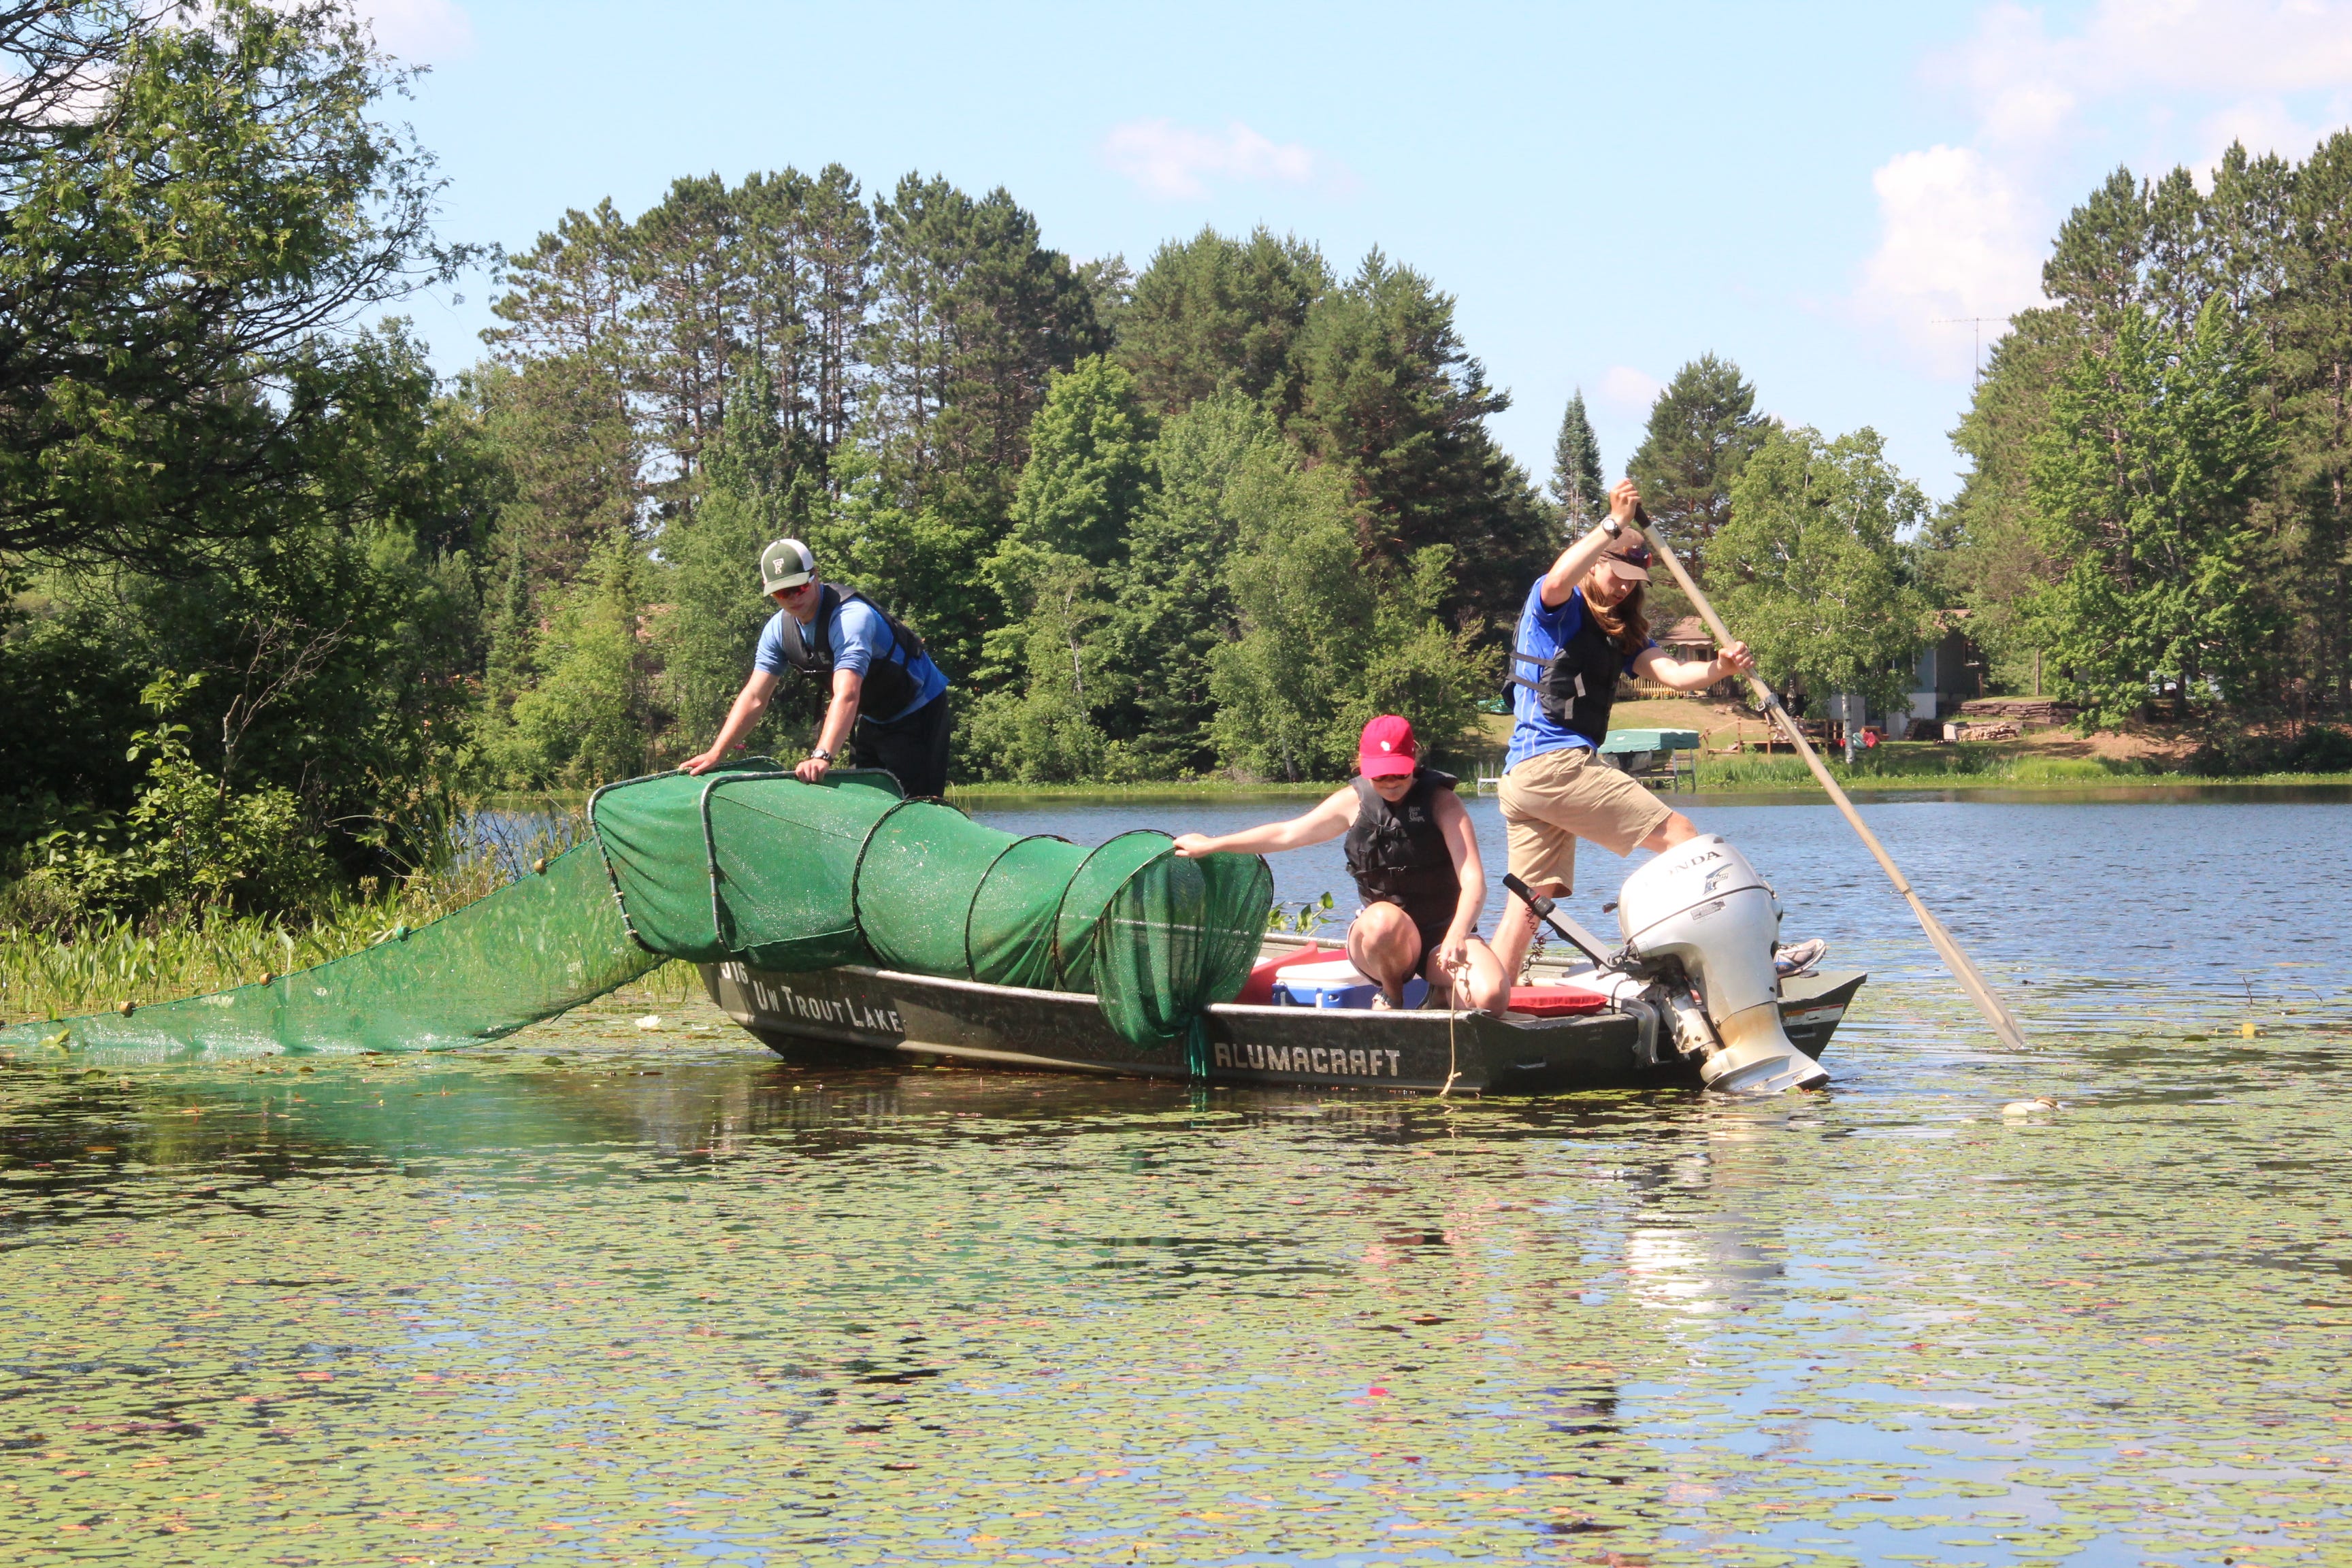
x: 820, y: 755
x: 1611, y: 527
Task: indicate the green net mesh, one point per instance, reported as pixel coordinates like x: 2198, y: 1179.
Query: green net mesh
x: 539, y: 947
x: 750, y: 863
x: 790, y: 875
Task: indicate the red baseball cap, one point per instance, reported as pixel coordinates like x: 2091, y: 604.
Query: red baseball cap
x: 1387, y: 748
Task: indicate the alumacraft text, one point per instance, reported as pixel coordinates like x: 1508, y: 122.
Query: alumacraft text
x: 1332, y: 1060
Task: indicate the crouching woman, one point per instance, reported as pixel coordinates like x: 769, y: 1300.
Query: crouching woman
x: 1415, y: 861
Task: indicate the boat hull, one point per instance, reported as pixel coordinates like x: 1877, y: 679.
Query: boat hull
x: 927, y: 1019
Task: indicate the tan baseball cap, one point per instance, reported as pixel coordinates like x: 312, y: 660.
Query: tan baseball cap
x: 1628, y: 555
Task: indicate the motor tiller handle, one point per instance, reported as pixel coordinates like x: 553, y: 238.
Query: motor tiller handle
x: 1549, y: 912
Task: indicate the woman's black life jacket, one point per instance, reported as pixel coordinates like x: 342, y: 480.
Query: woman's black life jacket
x: 1576, y: 687
x: 1397, y: 853
x: 889, y: 685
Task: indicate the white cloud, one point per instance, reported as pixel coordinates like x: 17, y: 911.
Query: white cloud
x: 1170, y: 160
x: 420, y: 32
x: 2017, y: 71
x: 1963, y: 229
x: 1629, y: 388
x: 1956, y: 239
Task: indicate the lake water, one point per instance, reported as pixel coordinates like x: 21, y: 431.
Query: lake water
x: 605, y: 1293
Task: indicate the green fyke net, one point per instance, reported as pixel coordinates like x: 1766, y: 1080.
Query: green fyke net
x: 542, y: 946
x: 750, y: 864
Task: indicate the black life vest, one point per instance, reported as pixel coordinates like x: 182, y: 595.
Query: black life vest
x: 1575, y: 688
x: 889, y: 685
x: 1397, y: 853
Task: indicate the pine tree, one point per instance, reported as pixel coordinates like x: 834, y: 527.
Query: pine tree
x: 1701, y: 430
x: 1215, y: 314
x: 1576, y: 481
x: 1390, y: 395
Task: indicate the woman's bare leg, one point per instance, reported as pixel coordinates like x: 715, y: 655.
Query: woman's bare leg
x: 1384, y: 947
x: 1485, y: 987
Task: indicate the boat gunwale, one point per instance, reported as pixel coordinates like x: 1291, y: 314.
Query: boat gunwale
x: 1422, y: 1016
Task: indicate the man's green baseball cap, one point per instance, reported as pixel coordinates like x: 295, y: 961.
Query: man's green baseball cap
x: 786, y: 563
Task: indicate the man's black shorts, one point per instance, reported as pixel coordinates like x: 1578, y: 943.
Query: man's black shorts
x: 915, y: 748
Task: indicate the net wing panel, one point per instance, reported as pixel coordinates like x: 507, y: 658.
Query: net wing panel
x: 539, y: 947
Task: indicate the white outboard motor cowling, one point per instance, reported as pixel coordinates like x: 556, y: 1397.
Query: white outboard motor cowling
x: 1702, y: 903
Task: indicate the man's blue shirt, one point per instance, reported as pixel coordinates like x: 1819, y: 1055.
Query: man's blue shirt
x: 858, y: 636
x: 1543, y: 628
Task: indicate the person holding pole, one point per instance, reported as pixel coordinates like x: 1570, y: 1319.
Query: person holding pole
x: 1582, y: 625
x: 889, y: 703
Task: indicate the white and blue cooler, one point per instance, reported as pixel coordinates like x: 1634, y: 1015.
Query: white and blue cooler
x: 1336, y: 985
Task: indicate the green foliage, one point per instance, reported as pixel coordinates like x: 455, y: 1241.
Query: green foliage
x: 1809, y: 571
x: 591, y: 717
x: 1577, y: 484
x: 1089, y: 466
x: 761, y: 486
x: 1982, y: 553
x: 1325, y: 644
x: 2142, y: 483
x: 564, y: 438
x: 223, y: 204
x: 1213, y: 315
x: 335, y: 661
x: 2267, y: 247
x: 1176, y: 609
x: 1392, y: 397
x: 1701, y: 430
x: 188, y: 843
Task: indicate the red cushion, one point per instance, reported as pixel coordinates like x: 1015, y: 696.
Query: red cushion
x: 1555, y: 1001
x: 1258, y: 990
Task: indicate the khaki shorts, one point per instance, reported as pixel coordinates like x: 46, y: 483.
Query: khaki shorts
x: 1552, y: 800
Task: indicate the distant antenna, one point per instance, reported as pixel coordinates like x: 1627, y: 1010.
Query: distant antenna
x: 1977, y: 377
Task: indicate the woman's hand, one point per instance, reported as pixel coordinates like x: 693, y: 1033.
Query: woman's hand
x: 1623, y: 497
x: 1454, y: 953
x: 1193, y: 845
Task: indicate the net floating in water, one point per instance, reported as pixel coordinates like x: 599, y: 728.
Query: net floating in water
x: 749, y: 864
x: 539, y: 947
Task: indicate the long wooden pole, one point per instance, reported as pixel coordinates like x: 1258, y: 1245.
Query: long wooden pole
x: 1958, y: 961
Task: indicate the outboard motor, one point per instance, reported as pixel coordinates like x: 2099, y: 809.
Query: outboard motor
x: 1701, y: 905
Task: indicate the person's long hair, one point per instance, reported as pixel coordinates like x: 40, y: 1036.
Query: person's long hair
x: 1624, y: 623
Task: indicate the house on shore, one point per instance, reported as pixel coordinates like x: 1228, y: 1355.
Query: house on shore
x: 1945, y: 673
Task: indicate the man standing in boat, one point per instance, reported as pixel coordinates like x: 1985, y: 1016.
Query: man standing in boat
x: 1416, y: 861
x: 890, y: 705
x: 1582, y: 625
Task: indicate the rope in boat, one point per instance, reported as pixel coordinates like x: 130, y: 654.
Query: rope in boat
x: 1452, y: 1011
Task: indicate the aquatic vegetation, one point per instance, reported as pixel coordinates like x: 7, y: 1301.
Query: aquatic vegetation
x: 611, y: 1293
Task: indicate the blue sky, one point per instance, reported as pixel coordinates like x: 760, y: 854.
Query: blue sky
x: 1608, y: 191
